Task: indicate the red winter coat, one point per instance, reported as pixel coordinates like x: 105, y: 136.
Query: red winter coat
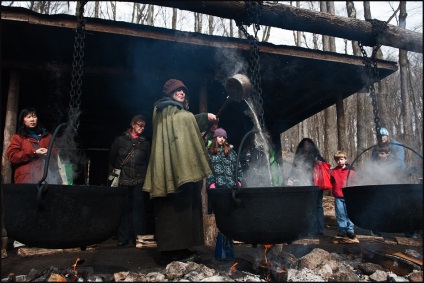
x: 29, y: 167
x: 338, y: 179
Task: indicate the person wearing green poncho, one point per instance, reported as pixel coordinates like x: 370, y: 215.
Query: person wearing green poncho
x: 178, y: 163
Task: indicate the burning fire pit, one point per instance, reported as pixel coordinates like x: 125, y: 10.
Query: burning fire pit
x: 266, y: 215
x: 73, y: 216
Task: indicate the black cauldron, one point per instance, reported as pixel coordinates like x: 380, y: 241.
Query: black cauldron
x: 71, y: 216
x: 394, y: 208
x: 266, y: 215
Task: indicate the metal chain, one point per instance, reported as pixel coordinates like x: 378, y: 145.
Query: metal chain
x: 253, y: 12
x: 373, y: 77
x: 77, y: 69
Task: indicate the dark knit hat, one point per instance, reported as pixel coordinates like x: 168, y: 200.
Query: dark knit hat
x: 220, y: 132
x: 171, y: 85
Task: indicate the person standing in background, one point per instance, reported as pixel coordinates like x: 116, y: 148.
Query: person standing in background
x: 224, y: 162
x: 130, y: 152
x: 28, y: 150
x: 224, y: 167
x: 338, y: 182
x: 305, y: 158
x: 179, y: 162
x: 396, y: 149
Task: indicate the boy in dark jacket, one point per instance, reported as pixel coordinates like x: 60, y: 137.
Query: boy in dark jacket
x: 338, y: 181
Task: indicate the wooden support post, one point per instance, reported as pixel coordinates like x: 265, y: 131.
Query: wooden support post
x: 10, y: 124
x: 209, y: 227
x: 9, y: 129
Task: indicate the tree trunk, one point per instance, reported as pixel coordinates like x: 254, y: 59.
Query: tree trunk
x: 292, y: 18
x: 341, y: 127
x: 404, y: 93
x: 197, y: 22
x: 97, y: 8
x: 360, y: 96
x: 325, y: 38
x: 330, y: 114
x: 210, y: 25
x: 331, y: 39
x: 372, y: 137
x: 174, y: 18
x: 341, y: 124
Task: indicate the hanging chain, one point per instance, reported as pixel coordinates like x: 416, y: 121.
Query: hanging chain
x: 77, y: 69
x: 372, y: 72
x: 253, y: 12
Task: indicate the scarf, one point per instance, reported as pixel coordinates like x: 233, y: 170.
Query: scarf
x: 34, y: 134
x: 168, y: 101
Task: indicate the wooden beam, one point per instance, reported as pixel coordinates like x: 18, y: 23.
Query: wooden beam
x: 292, y: 18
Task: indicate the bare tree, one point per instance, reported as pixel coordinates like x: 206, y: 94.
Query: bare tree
x: 297, y: 35
x: 211, y: 26
x: 113, y: 6
x: 380, y: 98
x: 361, y: 98
x: 415, y: 75
x: 174, y: 18
x: 198, y: 22
x: 97, y: 9
x: 325, y: 38
x: 330, y: 113
x: 404, y: 93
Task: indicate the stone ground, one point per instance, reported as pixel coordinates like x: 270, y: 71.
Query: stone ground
x: 107, y: 258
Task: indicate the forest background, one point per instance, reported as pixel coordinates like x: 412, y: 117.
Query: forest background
x: 399, y: 96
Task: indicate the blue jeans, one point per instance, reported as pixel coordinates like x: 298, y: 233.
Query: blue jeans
x: 343, y: 221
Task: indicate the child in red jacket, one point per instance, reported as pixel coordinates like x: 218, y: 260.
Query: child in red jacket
x: 338, y: 181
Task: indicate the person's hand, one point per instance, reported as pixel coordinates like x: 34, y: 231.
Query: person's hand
x: 212, y: 186
x: 212, y: 118
x: 41, y: 151
x: 239, y: 184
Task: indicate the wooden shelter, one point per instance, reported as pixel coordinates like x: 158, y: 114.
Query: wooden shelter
x: 126, y: 65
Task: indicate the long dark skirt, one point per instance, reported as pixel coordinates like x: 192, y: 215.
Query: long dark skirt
x: 178, y: 219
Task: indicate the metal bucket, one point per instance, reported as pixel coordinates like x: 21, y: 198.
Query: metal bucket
x: 72, y: 216
x: 238, y: 87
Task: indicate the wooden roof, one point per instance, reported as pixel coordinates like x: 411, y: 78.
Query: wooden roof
x: 126, y: 65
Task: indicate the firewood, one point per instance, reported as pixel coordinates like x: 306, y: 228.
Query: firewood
x: 343, y: 240
x: 306, y: 241
x: 403, y: 255
x: 28, y: 252
x: 146, y: 245
x: 142, y: 238
x: 409, y: 241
